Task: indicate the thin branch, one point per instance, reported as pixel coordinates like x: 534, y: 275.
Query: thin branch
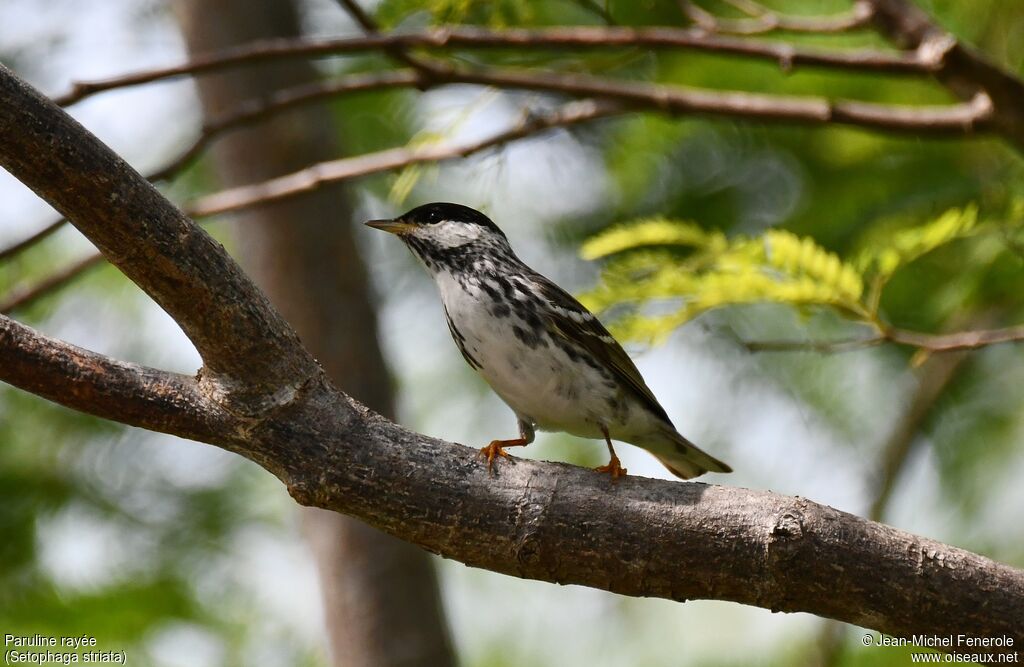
x: 764, y: 20
x: 231, y: 323
x: 935, y: 343
x: 951, y: 342
x: 285, y: 98
x: 37, y: 237
x: 24, y: 295
x: 614, y: 97
x: 960, y: 68
x: 820, y: 346
x: 244, y: 114
x: 319, y: 175
x: 331, y: 172
x: 370, y: 27
x: 955, y: 119
x: 575, y: 37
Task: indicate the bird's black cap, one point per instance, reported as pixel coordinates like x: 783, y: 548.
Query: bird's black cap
x: 430, y: 214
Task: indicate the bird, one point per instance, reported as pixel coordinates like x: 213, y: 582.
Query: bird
x: 541, y: 351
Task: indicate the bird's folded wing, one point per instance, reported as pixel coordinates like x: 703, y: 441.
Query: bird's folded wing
x: 570, y: 320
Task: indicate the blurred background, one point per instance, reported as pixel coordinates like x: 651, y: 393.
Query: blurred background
x: 181, y: 554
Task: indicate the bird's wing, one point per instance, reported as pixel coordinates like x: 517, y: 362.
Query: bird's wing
x: 570, y: 320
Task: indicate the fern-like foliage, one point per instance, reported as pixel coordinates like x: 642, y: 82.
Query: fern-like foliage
x: 883, y: 258
x: 662, y: 272
x: 650, y: 232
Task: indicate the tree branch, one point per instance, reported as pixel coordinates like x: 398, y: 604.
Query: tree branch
x: 962, y: 340
x: 948, y: 342
x: 26, y: 243
x: 764, y: 20
x: 24, y: 295
x: 318, y: 175
x: 258, y: 109
x: 468, y: 37
x: 249, y: 112
x: 962, y: 69
x: 237, y: 332
x: 551, y: 522
x: 336, y: 171
x: 104, y: 387
x: 614, y: 97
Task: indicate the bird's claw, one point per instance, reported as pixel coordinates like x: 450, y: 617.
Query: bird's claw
x: 613, y: 468
x: 491, y: 452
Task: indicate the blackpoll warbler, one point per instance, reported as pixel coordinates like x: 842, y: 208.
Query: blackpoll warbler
x: 540, y: 350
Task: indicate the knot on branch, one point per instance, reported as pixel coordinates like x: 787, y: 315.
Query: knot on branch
x: 305, y: 494
x: 786, y: 536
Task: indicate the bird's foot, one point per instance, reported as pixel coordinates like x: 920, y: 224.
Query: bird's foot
x: 613, y: 468
x: 497, y: 448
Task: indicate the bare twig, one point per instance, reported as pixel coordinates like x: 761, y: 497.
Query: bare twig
x: 963, y: 340
x: 370, y: 27
x: 321, y: 174
x: 244, y: 114
x: 25, y: 295
x: 957, y: 119
x: 259, y: 109
x: 336, y: 171
x: 32, y: 240
x: 936, y: 343
x: 821, y: 346
x: 764, y: 20
x: 576, y: 37
x: 613, y: 97
x: 960, y: 68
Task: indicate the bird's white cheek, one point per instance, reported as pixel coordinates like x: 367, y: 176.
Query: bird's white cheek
x: 449, y: 234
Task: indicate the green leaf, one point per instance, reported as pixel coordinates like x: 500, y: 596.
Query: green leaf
x: 650, y: 232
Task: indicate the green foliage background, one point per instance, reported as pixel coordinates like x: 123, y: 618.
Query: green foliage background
x: 838, y: 230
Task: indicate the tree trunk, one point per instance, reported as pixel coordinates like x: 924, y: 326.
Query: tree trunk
x: 380, y: 594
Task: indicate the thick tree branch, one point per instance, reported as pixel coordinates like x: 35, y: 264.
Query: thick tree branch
x: 230, y: 322
x: 468, y: 37
x: 545, y: 521
x: 252, y: 111
x: 104, y: 387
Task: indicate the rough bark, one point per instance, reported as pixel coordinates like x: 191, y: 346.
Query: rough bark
x: 545, y: 521
x: 381, y: 597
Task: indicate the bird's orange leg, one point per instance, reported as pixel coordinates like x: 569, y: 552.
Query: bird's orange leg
x: 497, y: 447
x: 614, y: 467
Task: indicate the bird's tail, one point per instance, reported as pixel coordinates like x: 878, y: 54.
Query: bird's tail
x: 685, y: 460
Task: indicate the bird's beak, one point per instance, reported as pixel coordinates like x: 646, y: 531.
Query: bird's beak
x: 391, y: 226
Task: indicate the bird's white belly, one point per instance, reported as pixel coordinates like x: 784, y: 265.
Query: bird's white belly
x: 538, y: 381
